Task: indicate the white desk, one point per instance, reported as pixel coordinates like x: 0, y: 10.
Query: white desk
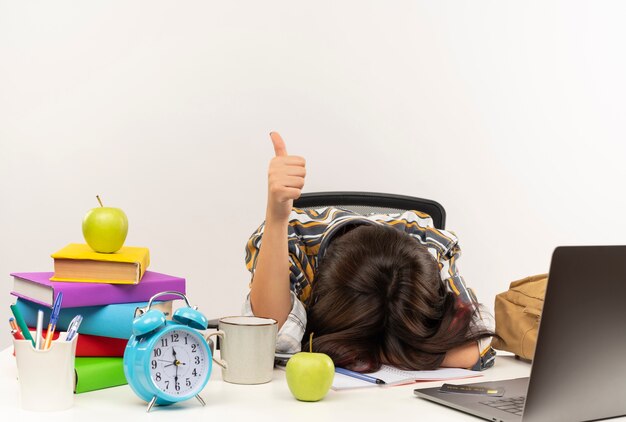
x: 255, y: 403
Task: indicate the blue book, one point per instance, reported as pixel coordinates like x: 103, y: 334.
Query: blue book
x: 114, y: 320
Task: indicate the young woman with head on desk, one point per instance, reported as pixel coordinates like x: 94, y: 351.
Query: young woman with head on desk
x: 379, y: 289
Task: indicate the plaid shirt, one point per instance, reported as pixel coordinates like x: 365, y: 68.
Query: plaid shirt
x: 309, y: 234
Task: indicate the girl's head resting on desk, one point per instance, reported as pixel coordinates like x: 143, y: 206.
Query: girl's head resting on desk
x: 378, y: 299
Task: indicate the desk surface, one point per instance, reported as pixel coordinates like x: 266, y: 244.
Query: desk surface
x: 266, y: 402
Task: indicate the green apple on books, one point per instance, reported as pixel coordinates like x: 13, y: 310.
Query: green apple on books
x: 104, y: 259
x: 105, y: 228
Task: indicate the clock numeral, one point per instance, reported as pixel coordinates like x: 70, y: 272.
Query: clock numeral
x: 157, y: 352
x: 167, y: 384
x: 185, y: 339
x: 197, y: 360
x: 153, y: 364
x: 157, y: 376
x: 175, y: 338
x: 193, y: 347
x: 177, y: 386
x: 187, y: 382
x: 194, y: 372
x: 163, y: 342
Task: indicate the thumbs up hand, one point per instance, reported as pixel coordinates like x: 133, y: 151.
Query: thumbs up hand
x: 285, y: 180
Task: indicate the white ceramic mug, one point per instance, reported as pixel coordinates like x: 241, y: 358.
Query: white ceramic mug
x: 247, y: 348
x: 46, y: 377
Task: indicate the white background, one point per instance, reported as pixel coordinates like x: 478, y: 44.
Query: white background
x: 510, y: 114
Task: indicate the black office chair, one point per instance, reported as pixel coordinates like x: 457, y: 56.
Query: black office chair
x: 366, y: 203
x: 373, y: 202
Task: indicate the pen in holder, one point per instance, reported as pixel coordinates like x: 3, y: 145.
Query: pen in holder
x: 46, y: 377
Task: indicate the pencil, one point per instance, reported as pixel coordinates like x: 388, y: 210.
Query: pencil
x: 359, y: 375
x: 19, y: 319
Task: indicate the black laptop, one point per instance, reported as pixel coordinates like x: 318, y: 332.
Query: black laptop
x: 579, y: 368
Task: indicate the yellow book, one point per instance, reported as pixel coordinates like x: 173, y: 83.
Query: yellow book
x: 79, y: 263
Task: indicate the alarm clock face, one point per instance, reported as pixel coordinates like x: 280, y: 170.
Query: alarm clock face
x: 179, y: 363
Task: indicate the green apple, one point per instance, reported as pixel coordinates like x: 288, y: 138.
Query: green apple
x: 310, y: 375
x: 105, y: 228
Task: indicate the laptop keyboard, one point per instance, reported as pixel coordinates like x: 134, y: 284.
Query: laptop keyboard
x: 513, y: 405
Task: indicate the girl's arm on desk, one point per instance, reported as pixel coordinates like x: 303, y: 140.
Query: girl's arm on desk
x: 462, y: 357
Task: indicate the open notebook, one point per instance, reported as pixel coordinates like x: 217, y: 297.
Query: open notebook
x: 395, y: 376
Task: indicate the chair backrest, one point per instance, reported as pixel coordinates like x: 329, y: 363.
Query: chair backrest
x: 373, y: 202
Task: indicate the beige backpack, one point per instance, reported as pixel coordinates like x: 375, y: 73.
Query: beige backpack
x: 517, y: 312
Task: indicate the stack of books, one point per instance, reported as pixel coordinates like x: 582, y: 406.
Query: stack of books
x: 107, y: 290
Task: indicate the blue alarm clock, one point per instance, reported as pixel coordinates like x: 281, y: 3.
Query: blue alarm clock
x: 165, y: 361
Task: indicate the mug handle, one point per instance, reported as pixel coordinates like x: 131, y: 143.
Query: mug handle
x: 222, y: 335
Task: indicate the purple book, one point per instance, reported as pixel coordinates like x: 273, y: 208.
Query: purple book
x: 37, y: 287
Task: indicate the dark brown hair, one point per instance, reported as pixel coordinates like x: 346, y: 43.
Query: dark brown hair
x: 378, y: 299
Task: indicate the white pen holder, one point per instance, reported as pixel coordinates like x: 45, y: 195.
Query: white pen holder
x: 46, y: 377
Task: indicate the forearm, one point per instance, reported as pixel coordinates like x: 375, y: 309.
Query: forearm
x: 269, y: 293
x: 464, y: 356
